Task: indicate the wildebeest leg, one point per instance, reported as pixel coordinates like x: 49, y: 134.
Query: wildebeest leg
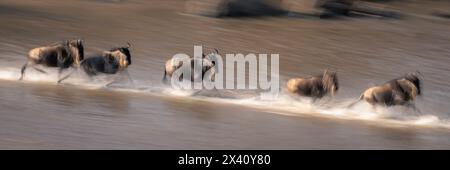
x: 60, y: 70
x: 39, y: 69
x: 120, y: 77
x: 180, y: 79
x: 353, y: 104
x: 112, y: 82
x: 28, y: 64
x: 65, y: 77
x: 413, y: 106
x: 22, y: 71
x: 129, y: 77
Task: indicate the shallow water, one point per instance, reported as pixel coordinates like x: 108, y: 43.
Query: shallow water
x: 37, y: 113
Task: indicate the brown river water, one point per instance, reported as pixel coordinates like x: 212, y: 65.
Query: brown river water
x: 39, y: 114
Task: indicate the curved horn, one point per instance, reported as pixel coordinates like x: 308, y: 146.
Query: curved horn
x: 217, y: 51
x: 419, y: 73
x: 80, y: 41
x: 129, y: 45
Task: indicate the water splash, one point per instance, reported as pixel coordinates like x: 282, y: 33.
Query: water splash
x: 284, y: 104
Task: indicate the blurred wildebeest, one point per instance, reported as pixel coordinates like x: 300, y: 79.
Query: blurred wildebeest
x: 442, y: 15
x: 109, y: 62
x: 316, y: 86
x: 235, y: 8
x: 62, y: 55
x: 399, y: 91
x: 335, y: 7
x: 176, y: 63
x: 332, y: 8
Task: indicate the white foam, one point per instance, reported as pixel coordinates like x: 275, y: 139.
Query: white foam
x: 283, y: 104
x: 10, y: 74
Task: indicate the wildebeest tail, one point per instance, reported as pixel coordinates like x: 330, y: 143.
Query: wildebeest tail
x: 82, y: 61
x: 352, y: 104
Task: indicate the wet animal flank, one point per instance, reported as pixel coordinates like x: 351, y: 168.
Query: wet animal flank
x: 208, y: 64
x: 109, y: 62
x: 399, y: 91
x: 62, y: 55
x: 316, y: 86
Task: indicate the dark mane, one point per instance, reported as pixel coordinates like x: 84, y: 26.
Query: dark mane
x: 78, y: 44
x: 335, y: 81
x: 415, y: 80
x: 80, y: 48
x: 125, y: 51
x: 412, y: 77
x: 332, y: 80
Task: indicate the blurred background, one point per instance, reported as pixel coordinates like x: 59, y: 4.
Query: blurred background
x: 366, y: 42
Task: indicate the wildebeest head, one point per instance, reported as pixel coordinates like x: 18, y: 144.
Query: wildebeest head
x: 76, y: 49
x: 414, y: 78
x: 330, y: 81
x: 122, y: 55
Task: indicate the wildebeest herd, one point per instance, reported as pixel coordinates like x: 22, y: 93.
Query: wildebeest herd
x: 63, y: 55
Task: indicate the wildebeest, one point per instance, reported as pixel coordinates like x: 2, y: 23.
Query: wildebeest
x: 315, y: 86
x: 235, y: 8
x: 399, y: 91
x: 176, y: 63
x: 109, y: 62
x: 335, y: 7
x: 62, y: 55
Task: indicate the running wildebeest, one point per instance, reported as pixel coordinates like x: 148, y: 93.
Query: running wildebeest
x: 399, y: 91
x: 109, y: 62
x: 316, y: 86
x: 62, y: 55
x: 176, y: 63
x: 334, y: 8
